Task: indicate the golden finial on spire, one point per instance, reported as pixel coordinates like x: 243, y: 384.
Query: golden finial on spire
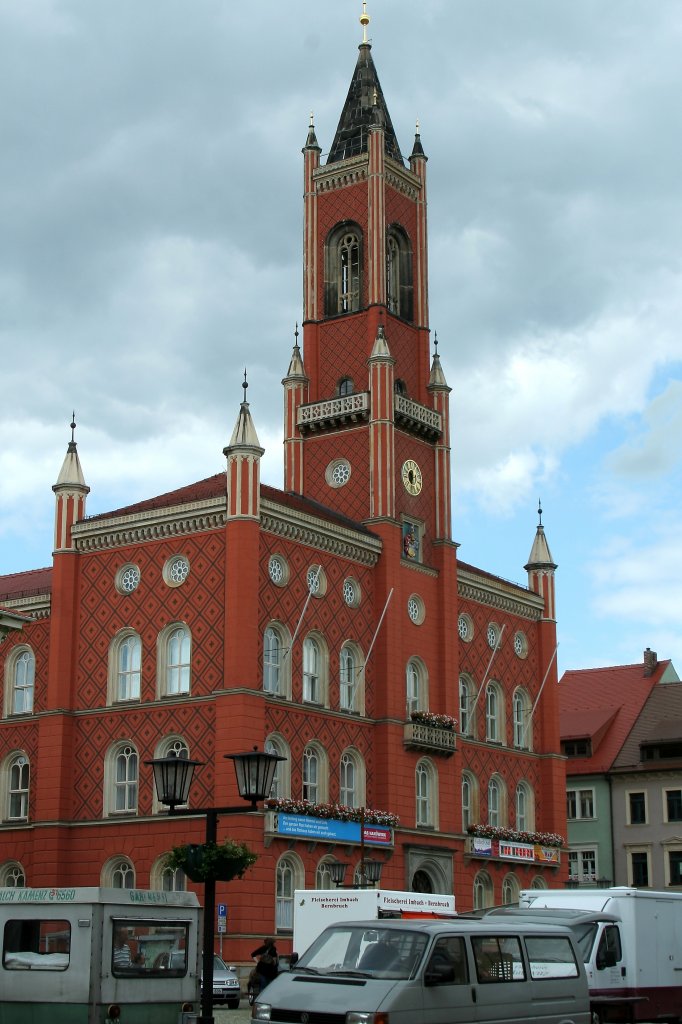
x: 364, y: 20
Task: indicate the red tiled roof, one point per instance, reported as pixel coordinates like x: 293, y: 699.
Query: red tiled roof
x: 215, y: 486
x: 603, y: 703
x: 26, y: 584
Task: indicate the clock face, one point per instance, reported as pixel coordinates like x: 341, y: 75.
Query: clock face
x: 412, y: 476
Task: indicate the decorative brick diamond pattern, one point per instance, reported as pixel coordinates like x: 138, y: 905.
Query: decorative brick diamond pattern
x: 151, y: 607
x: 352, y: 444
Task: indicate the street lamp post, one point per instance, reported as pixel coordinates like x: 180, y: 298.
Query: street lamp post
x: 255, y: 771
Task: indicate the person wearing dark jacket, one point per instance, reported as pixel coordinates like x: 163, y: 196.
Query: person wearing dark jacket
x: 267, y: 962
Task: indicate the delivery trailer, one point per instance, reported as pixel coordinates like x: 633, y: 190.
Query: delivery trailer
x: 314, y: 909
x: 86, y: 955
x: 631, y: 941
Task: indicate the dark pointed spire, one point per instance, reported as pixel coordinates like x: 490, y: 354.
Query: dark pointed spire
x: 311, y: 141
x: 365, y: 105
x: 417, y: 149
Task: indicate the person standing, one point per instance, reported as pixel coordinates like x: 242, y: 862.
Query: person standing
x: 267, y: 962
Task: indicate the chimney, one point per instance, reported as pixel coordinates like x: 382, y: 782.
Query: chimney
x: 650, y: 662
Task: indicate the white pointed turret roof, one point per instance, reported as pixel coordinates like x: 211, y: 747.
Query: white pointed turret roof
x: 71, y: 473
x: 296, y: 367
x: 437, y: 377
x: 380, y: 349
x: 540, y: 555
x: 244, y: 434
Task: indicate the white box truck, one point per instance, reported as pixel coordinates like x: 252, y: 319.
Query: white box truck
x: 314, y: 909
x: 631, y: 941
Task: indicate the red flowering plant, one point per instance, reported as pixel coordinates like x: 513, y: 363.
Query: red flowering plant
x: 511, y: 836
x: 431, y: 718
x: 339, y: 812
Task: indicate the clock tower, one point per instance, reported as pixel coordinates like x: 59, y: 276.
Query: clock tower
x: 366, y: 407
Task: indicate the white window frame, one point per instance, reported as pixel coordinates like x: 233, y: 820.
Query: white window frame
x: 351, y: 679
x: 580, y: 797
x: 118, y: 873
x: 525, y: 807
x: 20, y: 670
x: 121, y: 779
x: 174, y: 675
x: 582, y: 855
x: 426, y: 794
x: 469, y: 799
x: 18, y: 774
x: 281, y: 782
x: 510, y: 889
x: 289, y: 876
x: 467, y: 719
x: 351, y: 778
x: 416, y: 686
x: 125, y: 679
x: 494, y: 713
x: 521, y: 712
x: 315, y: 774
x: 668, y: 848
x: 483, y: 890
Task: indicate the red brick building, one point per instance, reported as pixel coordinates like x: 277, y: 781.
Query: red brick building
x: 330, y: 620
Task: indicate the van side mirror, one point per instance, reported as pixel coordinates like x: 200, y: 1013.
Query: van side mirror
x: 293, y: 959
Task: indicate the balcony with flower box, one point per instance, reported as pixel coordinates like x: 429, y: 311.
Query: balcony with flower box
x: 431, y: 733
x: 328, y: 823
x: 491, y: 842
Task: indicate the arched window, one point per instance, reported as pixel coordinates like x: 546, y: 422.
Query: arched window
x: 494, y: 724
x: 276, y: 663
x: 523, y: 732
x: 510, y: 889
x: 525, y: 808
x: 166, y: 879
x: 351, y: 779
x: 469, y: 800
x: 118, y: 873
x: 343, y: 270
x: 314, y: 774
x: 289, y: 877
x: 351, y: 679
x: 399, y: 290
x: 121, y: 776
x: 345, y: 387
x: 125, y: 666
x: 466, y: 706
x: 174, y: 661
x: 323, y: 878
x: 18, y: 780
x: 497, y: 806
x: 417, y: 690
x: 12, y: 875
x: 426, y: 791
x: 20, y: 669
x: 483, y: 891
x: 538, y: 883
x: 315, y: 659
x: 281, y: 782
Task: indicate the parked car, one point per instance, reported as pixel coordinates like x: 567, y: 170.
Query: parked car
x: 225, y: 984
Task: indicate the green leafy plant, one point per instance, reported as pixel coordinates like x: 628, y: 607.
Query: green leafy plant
x: 219, y: 861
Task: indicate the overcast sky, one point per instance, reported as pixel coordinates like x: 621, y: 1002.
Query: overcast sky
x: 150, y: 249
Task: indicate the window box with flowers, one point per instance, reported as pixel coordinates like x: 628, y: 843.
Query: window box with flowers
x: 510, y: 835
x: 339, y: 812
x: 430, y: 732
x: 218, y: 861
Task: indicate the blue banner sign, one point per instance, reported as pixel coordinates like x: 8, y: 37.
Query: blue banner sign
x: 332, y: 830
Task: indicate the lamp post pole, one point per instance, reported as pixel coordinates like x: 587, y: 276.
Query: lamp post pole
x: 173, y: 776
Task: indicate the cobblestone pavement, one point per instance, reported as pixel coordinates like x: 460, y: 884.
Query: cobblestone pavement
x: 221, y: 1015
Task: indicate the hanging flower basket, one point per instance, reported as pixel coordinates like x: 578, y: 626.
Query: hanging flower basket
x: 434, y: 720
x: 218, y: 861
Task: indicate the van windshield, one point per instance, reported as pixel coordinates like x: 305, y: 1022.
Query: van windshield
x: 364, y: 951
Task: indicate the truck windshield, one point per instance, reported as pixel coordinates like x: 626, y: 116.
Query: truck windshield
x: 369, y: 952
x: 585, y: 934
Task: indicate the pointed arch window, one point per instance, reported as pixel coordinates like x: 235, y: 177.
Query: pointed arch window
x: 121, y: 776
x: 469, y: 800
x: 289, y: 877
x: 483, y: 891
x: 525, y: 808
x: 417, y: 697
x: 125, y: 666
x: 314, y: 774
x: 276, y: 663
x: 174, y: 660
x: 351, y: 679
x: 343, y: 269
x: 281, y: 783
x: 118, y: 873
x: 399, y: 289
x: 493, y: 713
x: 497, y: 806
x: 426, y: 791
x: 312, y: 683
x: 351, y: 779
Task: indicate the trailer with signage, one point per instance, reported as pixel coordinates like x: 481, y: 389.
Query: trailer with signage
x: 314, y: 909
x: 631, y: 941
x: 87, y: 955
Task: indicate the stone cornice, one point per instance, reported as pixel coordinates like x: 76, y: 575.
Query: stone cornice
x: 500, y: 594
x: 151, y: 524
x: 37, y: 606
x: 297, y: 526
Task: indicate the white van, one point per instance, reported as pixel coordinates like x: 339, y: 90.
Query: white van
x: 434, y: 972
